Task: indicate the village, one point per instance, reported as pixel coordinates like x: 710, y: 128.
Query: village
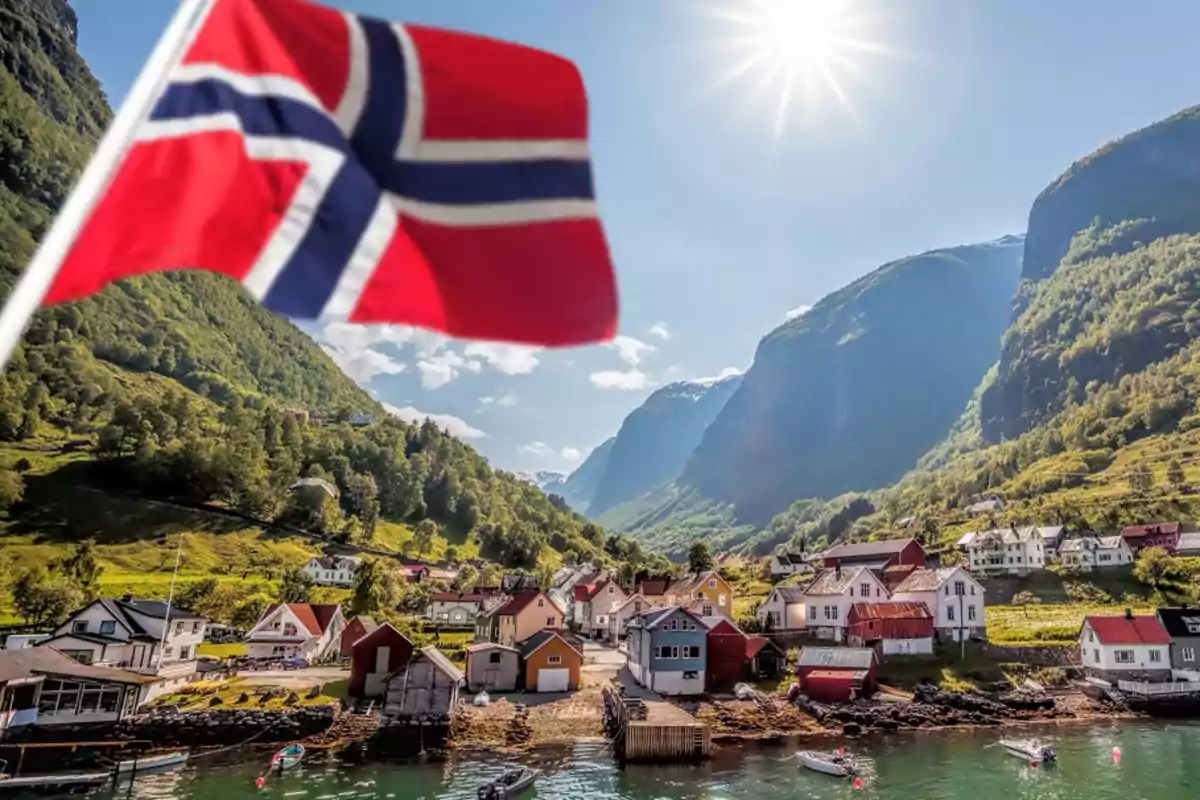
x: 664, y: 666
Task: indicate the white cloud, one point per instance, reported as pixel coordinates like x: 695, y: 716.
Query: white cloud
x: 511, y: 359
x: 798, y: 311
x: 438, y: 370
x: 728, y: 372
x: 504, y: 401
x: 660, y: 330
x: 629, y: 381
x: 540, y: 449
x: 571, y: 454
x: 363, y: 364
x: 455, y: 425
x: 630, y: 349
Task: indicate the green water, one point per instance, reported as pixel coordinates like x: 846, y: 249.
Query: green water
x: 1159, y: 762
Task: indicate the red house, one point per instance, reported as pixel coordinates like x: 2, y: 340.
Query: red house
x: 891, y: 627
x: 374, y: 657
x: 1158, y: 534
x: 357, y: 628
x: 876, y: 555
x: 837, y: 674
x: 726, y: 657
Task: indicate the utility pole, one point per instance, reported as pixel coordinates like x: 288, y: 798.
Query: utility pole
x: 162, y: 643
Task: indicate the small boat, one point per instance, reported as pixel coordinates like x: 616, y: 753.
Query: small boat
x: 288, y: 757
x: 743, y: 691
x: 481, y: 700
x: 508, y: 785
x: 837, y: 763
x: 60, y: 782
x: 148, y: 763
x: 1029, y: 750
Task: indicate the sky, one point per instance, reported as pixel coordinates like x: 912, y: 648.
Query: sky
x: 928, y: 123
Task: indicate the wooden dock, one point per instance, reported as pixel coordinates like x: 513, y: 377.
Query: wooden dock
x: 654, y: 730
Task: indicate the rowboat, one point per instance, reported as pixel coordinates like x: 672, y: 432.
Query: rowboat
x: 61, y: 782
x: 508, y: 785
x: 1028, y: 750
x: 288, y: 757
x: 147, y: 763
x: 837, y: 764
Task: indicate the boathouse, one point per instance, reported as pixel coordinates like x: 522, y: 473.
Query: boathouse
x: 891, y: 628
x: 356, y: 629
x: 375, y: 656
x: 829, y: 661
x: 726, y: 657
x: 494, y: 667
x: 427, y: 686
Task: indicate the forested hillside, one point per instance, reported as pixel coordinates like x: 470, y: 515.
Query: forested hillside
x: 178, y: 387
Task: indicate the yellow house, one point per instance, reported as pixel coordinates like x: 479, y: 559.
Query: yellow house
x: 707, y: 586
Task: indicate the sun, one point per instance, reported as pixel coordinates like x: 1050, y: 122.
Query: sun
x: 803, y: 51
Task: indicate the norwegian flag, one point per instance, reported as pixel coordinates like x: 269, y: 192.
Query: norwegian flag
x: 343, y: 167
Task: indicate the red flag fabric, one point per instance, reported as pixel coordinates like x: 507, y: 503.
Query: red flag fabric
x: 343, y: 167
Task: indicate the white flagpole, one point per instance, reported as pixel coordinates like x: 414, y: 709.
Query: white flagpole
x: 162, y: 643
x: 35, y: 281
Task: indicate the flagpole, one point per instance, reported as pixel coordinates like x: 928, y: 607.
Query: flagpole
x: 162, y: 643
x: 35, y: 281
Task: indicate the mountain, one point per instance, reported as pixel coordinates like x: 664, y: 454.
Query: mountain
x: 657, y: 437
x: 546, y: 480
x: 580, y: 485
x: 849, y: 395
x: 1099, y: 298
x: 180, y: 388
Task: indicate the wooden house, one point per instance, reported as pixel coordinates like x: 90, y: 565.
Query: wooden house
x: 375, y: 656
x: 837, y: 673
x: 1158, y: 534
x: 525, y: 614
x: 493, y: 667
x: 1129, y: 647
x: 427, y: 686
x: 1183, y: 626
x: 952, y: 595
x: 783, y: 610
x: 876, y: 555
x: 726, y: 663
x: 551, y: 662
x: 668, y: 651
x: 891, y: 628
x: 355, y: 629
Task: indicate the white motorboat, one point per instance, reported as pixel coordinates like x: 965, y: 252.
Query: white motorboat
x: 837, y: 764
x: 149, y: 763
x: 1028, y: 750
x: 481, y: 700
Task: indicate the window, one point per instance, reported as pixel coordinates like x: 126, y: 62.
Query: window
x: 550, y: 622
x: 674, y: 651
x: 600, y: 620
x: 947, y: 590
x: 707, y: 610
x: 612, y: 590
x: 1096, y: 655
x: 712, y: 583
x: 673, y: 625
x: 1156, y: 656
x: 289, y: 629
x: 196, y: 626
x: 1187, y: 653
x: 553, y: 660
x: 865, y: 589
x: 168, y: 651
x: 1123, y: 656
x: 971, y: 613
x: 108, y: 627
x: 79, y: 626
x: 82, y: 656
x: 972, y: 590
x: 950, y: 613
x: 1091, y: 636
x: 185, y: 653
x: 178, y: 628
x: 691, y: 651
x: 812, y: 612
x: 541, y: 603
x: 493, y: 658
x: 721, y: 600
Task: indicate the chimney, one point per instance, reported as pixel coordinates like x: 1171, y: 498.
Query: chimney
x: 1129, y: 613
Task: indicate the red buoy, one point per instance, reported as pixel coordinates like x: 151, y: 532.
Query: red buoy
x: 1116, y: 755
x: 258, y: 782
x: 857, y: 782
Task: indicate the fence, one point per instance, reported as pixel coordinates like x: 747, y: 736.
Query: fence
x: 1159, y: 689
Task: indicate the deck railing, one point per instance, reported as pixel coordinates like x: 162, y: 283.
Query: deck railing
x: 1154, y: 689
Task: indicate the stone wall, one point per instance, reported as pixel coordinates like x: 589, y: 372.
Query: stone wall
x: 1047, y: 655
x: 227, y: 727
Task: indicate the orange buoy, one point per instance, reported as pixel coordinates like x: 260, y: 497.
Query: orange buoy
x: 1116, y: 755
x: 857, y: 782
x: 258, y: 782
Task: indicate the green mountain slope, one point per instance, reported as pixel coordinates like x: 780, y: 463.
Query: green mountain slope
x: 178, y: 387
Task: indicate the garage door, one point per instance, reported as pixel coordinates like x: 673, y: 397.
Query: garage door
x: 553, y: 680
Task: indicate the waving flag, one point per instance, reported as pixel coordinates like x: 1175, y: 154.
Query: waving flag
x: 343, y: 167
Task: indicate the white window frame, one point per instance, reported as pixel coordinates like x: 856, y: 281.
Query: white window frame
x: 1123, y: 657
x: 1187, y: 653
x: 553, y: 660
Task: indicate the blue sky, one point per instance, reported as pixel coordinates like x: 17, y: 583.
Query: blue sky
x: 721, y: 217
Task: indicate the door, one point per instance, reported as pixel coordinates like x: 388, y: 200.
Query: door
x: 553, y: 680
x: 139, y: 656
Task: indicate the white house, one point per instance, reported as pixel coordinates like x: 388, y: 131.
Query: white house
x: 297, y: 630
x: 453, y: 608
x: 830, y: 594
x: 39, y: 686
x: 783, y: 610
x: 988, y: 505
x: 786, y: 564
x: 332, y: 570
x: 136, y: 635
x: 1090, y: 552
x: 619, y: 617
x: 594, y: 604
x: 952, y: 595
x: 1007, y: 551
x: 1127, y: 647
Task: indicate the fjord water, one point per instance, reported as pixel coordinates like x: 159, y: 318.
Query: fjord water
x: 1159, y: 762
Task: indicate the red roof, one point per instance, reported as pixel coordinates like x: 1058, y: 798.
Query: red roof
x: 452, y: 597
x: 314, y: 617
x: 584, y: 592
x: 1138, y: 531
x: 1122, y: 630
x: 906, y: 610
x: 755, y: 644
x: 517, y: 604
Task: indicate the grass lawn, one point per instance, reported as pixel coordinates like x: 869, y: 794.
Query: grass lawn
x: 946, y: 669
x: 1047, y: 624
x: 223, y: 650
x: 201, y: 695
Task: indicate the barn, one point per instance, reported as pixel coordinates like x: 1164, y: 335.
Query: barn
x: 374, y: 657
x: 891, y: 628
x: 357, y: 628
x: 726, y: 657
x: 848, y: 660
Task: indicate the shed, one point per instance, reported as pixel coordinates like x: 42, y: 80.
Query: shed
x: 726, y: 657
x: 375, y: 656
x: 876, y: 555
x: 902, y: 627
x: 428, y: 685
x: 357, y: 628
x: 764, y: 658
x: 494, y: 667
x: 839, y: 659
x: 552, y: 663
x: 835, y: 686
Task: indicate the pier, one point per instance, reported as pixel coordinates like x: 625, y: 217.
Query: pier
x: 651, y: 729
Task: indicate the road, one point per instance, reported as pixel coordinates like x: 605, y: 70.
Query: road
x: 293, y: 678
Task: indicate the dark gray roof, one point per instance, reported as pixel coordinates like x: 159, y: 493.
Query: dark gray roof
x: 1181, y: 622
x: 790, y: 594
x: 157, y: 609
x: 885, y: 547
x: 847, y: 657
x: 45, y: 660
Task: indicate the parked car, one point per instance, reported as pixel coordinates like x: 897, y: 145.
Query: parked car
x: 294, y: 663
